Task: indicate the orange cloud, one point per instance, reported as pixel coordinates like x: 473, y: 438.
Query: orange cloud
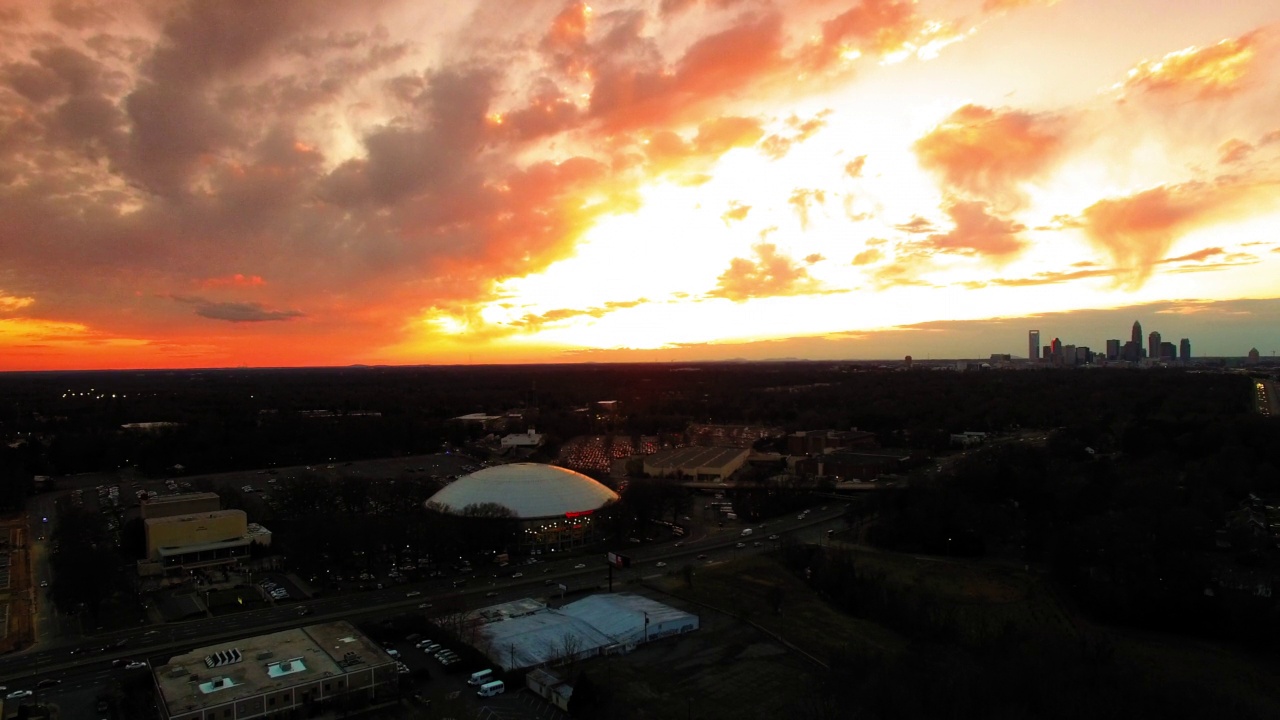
x: 853, y: 168
x: 777, y: 146
x: 1137, y: 230
x: 1196, y: 256
x: 802, y: 199
x: 735, y: 212
x: 236, y: 280
x: 1212, y: 71
x: 872, y: 26
x: 10, y: 303
x: 1233, y: 151
x: 626, y: 96
x: 770, y: 274
x: 977, y: 232
x: 988, y: 154
x: 1053, y: 278
x: 668, y: 152
x: 868, y: 256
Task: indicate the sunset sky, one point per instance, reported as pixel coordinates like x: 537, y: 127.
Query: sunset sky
x: 223, y: 183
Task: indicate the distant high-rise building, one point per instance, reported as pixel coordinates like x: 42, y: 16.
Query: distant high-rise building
x: 1253, y: 357
x: 1153, y: 345
x: 1168, y: 351
x: 1068, y: 354
x: 1055, y: 349
x: 1184, y: 349
x: 1136, y: 337
x: 1113, y: 349
x: 1033, y: 345
x: 1084, y: 356
x: 1131, y: 352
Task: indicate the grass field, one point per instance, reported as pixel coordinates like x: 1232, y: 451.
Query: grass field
x: 744, y: 588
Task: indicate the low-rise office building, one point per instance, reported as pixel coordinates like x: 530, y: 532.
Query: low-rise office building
x: 318, y: 671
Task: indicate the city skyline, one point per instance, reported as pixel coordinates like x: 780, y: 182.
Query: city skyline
x: 212, y: 184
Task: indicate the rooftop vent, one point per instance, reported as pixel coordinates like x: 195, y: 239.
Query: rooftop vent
x: 223, y: 657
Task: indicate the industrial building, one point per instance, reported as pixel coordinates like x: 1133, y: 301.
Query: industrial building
x: 325, y: 670
x: 555, y: 508
x: 595, y: 625
x: 706, y: 464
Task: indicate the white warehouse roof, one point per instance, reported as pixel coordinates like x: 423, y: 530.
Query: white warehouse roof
x: 530, y: 490
x: 622, y: 616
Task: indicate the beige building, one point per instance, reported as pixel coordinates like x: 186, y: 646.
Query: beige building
x: 156, y: 506
x: 208, y: 538
x: 318, y: 671
x: 191, y: 530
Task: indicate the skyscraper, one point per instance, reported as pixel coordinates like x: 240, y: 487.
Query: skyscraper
x: 1153, y: 345
x: 1184, y: 349
x: 1033, y: 345
x: 1137, y: 335
x: 1113, y: 349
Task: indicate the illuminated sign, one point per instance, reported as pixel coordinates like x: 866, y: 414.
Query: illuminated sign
x: 578, y: 513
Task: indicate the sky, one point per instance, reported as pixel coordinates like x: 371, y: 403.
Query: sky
x: 312, y: 182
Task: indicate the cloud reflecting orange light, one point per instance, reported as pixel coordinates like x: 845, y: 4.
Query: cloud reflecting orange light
x: 299, y: 183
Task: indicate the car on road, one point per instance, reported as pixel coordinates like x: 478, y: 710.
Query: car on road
x: 424, y: 606
x: 48, y: 682
x: 661, y: 564
x: 773, y: 537
x: 304, y: 611
x: 18, y: 695
x: 135, y: 665
x: 702, y: 557
x: 44, y: 583
x: 579, y: 566
x: 518, y: 575
x: 413, y: 593
x: 740, y: 545
x: 491, y: 593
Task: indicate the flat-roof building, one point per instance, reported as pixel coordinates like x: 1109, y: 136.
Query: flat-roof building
x: 207, y: 538
x: 154, y: 506
x: 323, y: 670
x: 713, y: 464
x: 598, y: 624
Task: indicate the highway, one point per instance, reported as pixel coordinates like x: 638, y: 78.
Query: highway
x: 86, y: 665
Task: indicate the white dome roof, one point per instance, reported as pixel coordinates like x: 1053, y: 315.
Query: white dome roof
x: 530, y: 490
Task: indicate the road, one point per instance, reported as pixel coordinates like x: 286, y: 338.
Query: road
x: 78, y: 666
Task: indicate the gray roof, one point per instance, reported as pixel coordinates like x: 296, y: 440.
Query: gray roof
x: 539, y: 638
x: 530, y: 490
x: 621, y: 616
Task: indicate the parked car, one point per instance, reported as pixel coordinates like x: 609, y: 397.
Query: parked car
x: 18, y: 695
x: 135, y: 665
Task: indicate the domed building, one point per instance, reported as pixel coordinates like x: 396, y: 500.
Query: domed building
x: 553, y: 508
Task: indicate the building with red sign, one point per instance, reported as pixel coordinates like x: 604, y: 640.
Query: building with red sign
x: 555, y: 508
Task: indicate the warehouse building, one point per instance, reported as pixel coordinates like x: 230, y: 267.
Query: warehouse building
x: 705, y: 464
x: 595, y: 625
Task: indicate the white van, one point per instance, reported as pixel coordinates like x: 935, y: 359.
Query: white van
x: 746, y: 532
x: 490, y: 689
x: 480, y: 678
